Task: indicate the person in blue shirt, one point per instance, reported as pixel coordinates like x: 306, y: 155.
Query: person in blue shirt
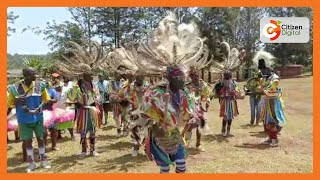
x: 27, y: 97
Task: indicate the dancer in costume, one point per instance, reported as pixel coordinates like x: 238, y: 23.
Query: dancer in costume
x: 124, y: 62
x: 228, y: 88
x: 134, y: 92
x: 27, y: 97
x: 84, y: 62
x: 88, y: 119
x: 119, y: 104
x: 201, y: 94
x: 168, y: 106
x: 272, y: 107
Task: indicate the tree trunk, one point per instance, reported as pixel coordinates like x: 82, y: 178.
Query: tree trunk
x: 238, y: 75
x: 202, y: 73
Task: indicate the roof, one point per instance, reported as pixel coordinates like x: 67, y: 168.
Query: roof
x: 294, y: 65
x: 291, y: 65
x: 14, y: 73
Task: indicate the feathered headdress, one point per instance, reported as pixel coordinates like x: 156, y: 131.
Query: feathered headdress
x: 201, y: 63
x: 267, y: 58
x: 173, y: 46
x: 82, y: 59
x: 232, y: 59
x: 121, y: 57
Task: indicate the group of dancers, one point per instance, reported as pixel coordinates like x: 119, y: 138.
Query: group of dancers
x: 158, y: 116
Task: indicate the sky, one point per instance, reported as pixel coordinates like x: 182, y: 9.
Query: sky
x: 28, y: 42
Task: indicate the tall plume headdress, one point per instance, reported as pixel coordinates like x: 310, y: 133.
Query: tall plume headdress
x: 267, y: 57
x: 173, y: 46
x: 121, y: 57
x: 264, y: 61
x: 232, y: 59
x: 83, y: 59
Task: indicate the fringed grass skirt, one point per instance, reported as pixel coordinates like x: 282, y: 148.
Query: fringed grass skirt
x: 228, y: 108
x: 88, y: 119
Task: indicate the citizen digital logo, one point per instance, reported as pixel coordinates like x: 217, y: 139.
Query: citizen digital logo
x: 284, y: 30
x: 290, y: 30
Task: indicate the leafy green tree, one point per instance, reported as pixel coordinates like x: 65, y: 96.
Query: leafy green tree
x: 10, y: 20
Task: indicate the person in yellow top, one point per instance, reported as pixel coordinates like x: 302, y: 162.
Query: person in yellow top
x: 27, y: 97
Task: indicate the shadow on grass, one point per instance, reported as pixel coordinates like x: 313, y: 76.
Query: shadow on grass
x: 108, y: 128
x: 247, y: 126
x: 107, y: 138
x: 122, y: 145
x: 253, y: 146
x: 122, y: 163
x: 217, y: 137
x: 221, y: 138
x: 209, y: 138
x: 193, y: 151
x: 14, y: 161
x: 13, y: 141
x: 65, y: 139
x: 65, y: 162
x: 9, y: 148
x: 18, y: 170
x: 260, y: 134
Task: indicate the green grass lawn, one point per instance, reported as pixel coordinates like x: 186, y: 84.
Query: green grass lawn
x: 239, y: 154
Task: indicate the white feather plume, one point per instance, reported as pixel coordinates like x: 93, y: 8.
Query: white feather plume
x: 231, y: 59
x: 268, y: 58
x: 172, y: 44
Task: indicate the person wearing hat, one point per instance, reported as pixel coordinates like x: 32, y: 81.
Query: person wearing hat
x: 120, y: 103
x: 164, y: 142
x: 88, y: 118
x: 271, y: 104
x: 201, y: 94
x: 135, y: 93
x: 228, y: 105
x: 168, y: 106
x: 228, y: 90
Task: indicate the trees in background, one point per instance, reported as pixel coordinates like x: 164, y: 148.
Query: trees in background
x: 114, y: 27
x: 11, y: 17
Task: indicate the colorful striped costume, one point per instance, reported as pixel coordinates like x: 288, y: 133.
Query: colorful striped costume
x: 119, y: 92
x: 228, y: 104
x: 199, y: 94
x: 272, y: 107
x: 164, y: 143
x: 135, y: 96
x: 88, y: 115
x: 88, y: 119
